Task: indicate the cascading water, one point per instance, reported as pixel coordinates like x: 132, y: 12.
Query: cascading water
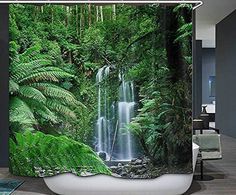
x: 103, y: 133
x: 113, y: 137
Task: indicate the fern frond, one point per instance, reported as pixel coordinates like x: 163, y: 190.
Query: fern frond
x: 57, y: 92
x: 46, y: 75
x: 20, y: 113
x: 52, y: 90
x: 47, y: 114
x: 49, y: 153
x: 31, y: 92
x: 13, y: 86
x: 17, y: 107
x: 21, y: 70
x: 30, y: 53
x: 60, y: 109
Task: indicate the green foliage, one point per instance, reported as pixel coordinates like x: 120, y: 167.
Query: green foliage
x: 34, y: 90
x: 163, y: 124
x: 184, y: 31
x: 37, y: 154
x: 56, y: 51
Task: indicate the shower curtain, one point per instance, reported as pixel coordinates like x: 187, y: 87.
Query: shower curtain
x: 100, y: 89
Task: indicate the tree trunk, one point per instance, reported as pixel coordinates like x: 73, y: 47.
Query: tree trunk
x: 114, y: 12
x: 97, y: 13
x: 52, y: 14
x: 101, y: 13
x: 173, y: 48
x: 77, y: 20
x: 67, y: 16
x: 42, y: 9
x: 70, y: 57
x: 81, y: 20
x: 89, y: 15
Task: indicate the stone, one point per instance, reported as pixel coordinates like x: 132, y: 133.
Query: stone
x: 137, y: 161
x: 119, y: 165
x: 113, y: 168
x: 136, y: 177
x: 123, y: 174
x: 115, y: 175
x: 102, y: 155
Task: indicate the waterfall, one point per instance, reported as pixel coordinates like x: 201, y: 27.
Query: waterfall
x: 109, y: 113
x: 103, y: 133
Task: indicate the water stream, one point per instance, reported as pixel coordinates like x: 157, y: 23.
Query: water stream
x: 113, y: 137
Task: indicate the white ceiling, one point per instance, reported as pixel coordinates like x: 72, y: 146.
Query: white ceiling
x: 208, y: 15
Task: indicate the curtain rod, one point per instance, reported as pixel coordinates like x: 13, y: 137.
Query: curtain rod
x: 198, y: 3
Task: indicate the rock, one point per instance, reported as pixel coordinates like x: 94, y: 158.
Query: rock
x: 137, y: 169
x: 145, y: 165
x: 119, y: 170
x: 102, y: 155
x: 115, y: 175
x: 113, y: 168
x: 137, y: 162
x: 133, y: 160
x: 123, y: 174
x: 119, y: 165
x: 146, y: 160
x: 85, y: 173
x: 133, y: 168
x: 141, y: 171
x: 136, y: 177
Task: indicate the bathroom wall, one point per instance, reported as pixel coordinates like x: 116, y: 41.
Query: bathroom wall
x: 208, y: 69
x: 4, y: 130
x: 226, y: 75
x: 197, y: 77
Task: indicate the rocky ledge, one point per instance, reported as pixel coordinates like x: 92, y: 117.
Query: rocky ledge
x: 137, y: 169
x: 143, y: 168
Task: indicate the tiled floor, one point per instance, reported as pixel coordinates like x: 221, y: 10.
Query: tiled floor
x: 220, y: 176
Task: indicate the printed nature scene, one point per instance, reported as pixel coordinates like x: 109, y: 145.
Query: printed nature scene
x: 100, y: 89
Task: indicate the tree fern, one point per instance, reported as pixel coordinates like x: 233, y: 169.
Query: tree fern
x: 54, y: 91
x: 50, y: 155
x: 21, y: 116
x: 20, y: 70
x: 35, y: 93
x: 59, y: 108
x: 13, y: 86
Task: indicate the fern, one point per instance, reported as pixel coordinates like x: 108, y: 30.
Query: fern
x: 184, y: 31
x: 30, y: 92
x: 13, y: 86
x: 59, y: 108
x: 34, y: 90
x: 35, y: 152
x: 54, y: 91
x: 20, y: 110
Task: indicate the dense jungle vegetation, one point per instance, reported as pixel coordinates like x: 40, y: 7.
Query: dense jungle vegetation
x: 56, y: 51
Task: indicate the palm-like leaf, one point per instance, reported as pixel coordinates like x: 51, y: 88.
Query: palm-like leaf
x: 30, y: 92
x: 35, y: 91
x: 20, y: 113
x: 53, y: 91
x: 20, y: 70
x: 13, y: 86
x: 34, y: 151
x: 59, y: 108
